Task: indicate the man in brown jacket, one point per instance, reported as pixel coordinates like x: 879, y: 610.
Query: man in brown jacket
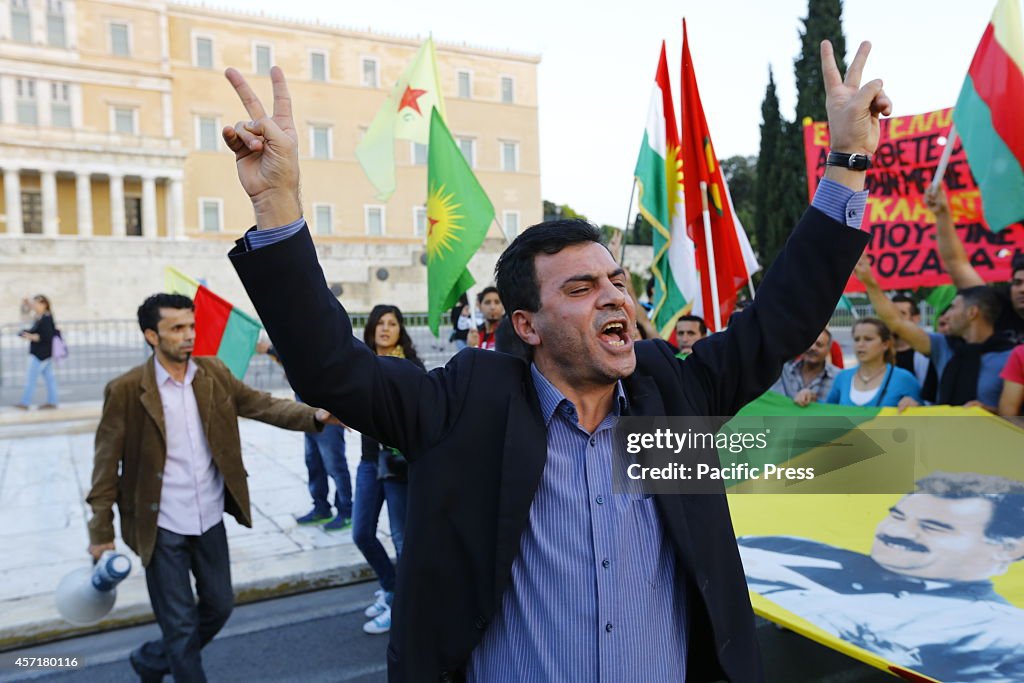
x: 169, y: 454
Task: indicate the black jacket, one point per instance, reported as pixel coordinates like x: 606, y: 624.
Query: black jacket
x: 476, y: 441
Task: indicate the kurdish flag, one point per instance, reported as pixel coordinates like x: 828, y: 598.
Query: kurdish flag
x: 405, y: 115
x: 987, y: 116
x: 458, y: 216
x: 221, y: 329
x: 734, y: 257
x: 659, y: 176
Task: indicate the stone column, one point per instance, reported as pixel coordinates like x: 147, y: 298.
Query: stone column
x: 48, y: 183
x: 148, y: 207
x: 117, y: 222
x: 83, y: 204
x: 175, y: 209
x: 12, y: 200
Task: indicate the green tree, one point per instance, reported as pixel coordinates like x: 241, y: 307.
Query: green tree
x: 769, y: 232
x: 741, y: 175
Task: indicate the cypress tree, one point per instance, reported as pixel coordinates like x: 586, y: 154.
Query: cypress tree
x: 768, y: 190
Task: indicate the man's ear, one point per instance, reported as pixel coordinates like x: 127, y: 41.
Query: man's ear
x: 152, y: 337
x: 1011, y: 550
x: 522, y: 323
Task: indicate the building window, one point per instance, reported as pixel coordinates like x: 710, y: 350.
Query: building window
x: 124, y: 120
x: 60, y: 105
x: 323, y: 219
x: 55, y: 34
x: 374, y: 216
x: 120, y: 41
x: 320, y: 142
x: 262, y: 58
x: 21, y: 21
x: 468, y: 148
x: 371, y: 72
x: 510, y: 156
x: 211, y: 213
x: 318, y: 66
x: 203, y: 57
x: 206, y: 133
x: 27, y: 110
x: 508, y: 90
x: 419, y: 153
x: 32, y: 212
x: 510, y: 221
x: 419, y: 221
x: 465, y: 80
x: 133, y: 216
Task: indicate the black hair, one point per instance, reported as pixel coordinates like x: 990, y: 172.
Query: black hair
x: 516, y: 272
x: 694, y: 319
x: 1017, y: 263
x: 985, y: 299
x: 149, y: 312
x: 404, y: 340
x: 907, y: 299
x: 1006, y: 496
x: 484, y: 292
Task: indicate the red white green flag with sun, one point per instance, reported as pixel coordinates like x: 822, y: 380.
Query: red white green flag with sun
x: 659, y: 177
x: 458, y: 216
x: 404, y: 115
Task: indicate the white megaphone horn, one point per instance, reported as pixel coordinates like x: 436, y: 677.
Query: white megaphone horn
x: 86, y: 595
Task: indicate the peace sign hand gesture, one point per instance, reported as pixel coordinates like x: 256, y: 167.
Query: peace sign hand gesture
x: 266, y: 152
x: 853, y: 110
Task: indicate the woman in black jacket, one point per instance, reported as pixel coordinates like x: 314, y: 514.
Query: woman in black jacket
x: 381, y: 475
x: 40, y: 349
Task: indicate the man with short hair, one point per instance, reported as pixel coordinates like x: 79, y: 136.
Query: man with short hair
x: 809, y: 378
x: 689, y: 330
x: 488, y: 301
x: 519, y: 556
x: 924, y: 596
x: 1010, y: 321
x: 169, y: 454
x: 969, y: 359
x: 914, y: 362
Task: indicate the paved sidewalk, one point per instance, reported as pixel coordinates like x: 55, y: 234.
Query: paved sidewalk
x: 45, y: 470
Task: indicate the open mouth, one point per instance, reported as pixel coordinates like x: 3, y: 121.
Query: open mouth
x: 614, y: 334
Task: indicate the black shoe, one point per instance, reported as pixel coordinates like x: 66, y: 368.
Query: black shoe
x: 146, y: 675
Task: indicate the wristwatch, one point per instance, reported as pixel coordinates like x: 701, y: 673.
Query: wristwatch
x: 854, y: 162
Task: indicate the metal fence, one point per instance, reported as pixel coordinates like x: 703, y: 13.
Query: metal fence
x: 100, y: 350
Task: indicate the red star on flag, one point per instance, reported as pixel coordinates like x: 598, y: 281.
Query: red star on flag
x: 433, y: 222
x: 409, y: 99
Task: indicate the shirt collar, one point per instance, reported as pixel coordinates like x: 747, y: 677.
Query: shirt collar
x: 551, y: 398
x: 162, y: 376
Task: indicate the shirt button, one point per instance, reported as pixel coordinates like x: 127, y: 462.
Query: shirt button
x: 606, y: 563
x: 593, y: 441
x: 599, y: 500
x: 159, y: 475
x: 608, y: 627
x: 154, y: 507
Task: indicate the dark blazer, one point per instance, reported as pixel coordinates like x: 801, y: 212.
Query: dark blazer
x: 477, y: 445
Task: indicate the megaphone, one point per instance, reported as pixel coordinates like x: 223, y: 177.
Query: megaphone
x: 86, y: 595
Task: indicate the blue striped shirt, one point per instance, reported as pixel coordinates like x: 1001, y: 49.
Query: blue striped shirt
x: 593, y: 595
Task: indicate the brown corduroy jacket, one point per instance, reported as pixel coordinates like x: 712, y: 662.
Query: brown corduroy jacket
x: 131, y: 447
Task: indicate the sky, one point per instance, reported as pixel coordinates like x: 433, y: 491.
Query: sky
x: 598, y: 60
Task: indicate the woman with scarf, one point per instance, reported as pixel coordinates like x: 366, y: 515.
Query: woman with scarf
x: 40, y: 348
x: 381, y: 475
x: 876, y: 381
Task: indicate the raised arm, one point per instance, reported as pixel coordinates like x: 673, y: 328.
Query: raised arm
x: 951, y: 249
x: 887, y: 311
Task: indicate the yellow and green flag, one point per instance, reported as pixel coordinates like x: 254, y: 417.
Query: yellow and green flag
x: 404, y: 115
x: 458, y: 215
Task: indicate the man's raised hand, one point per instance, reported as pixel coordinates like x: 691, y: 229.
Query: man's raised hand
x: 853, y: 110
x: 266, y: 152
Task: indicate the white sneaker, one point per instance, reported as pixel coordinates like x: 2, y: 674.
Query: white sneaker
x: 379, y: 624
x: 378, y: 607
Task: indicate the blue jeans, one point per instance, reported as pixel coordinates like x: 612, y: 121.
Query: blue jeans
x: 325, y: 456
x: 35, y: 367
x: 371, y: 493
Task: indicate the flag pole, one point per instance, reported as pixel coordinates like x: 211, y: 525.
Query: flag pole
x: 629, y: 219
x: 710, y: 247
x: 944, y: 160
x: 502, y: 229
